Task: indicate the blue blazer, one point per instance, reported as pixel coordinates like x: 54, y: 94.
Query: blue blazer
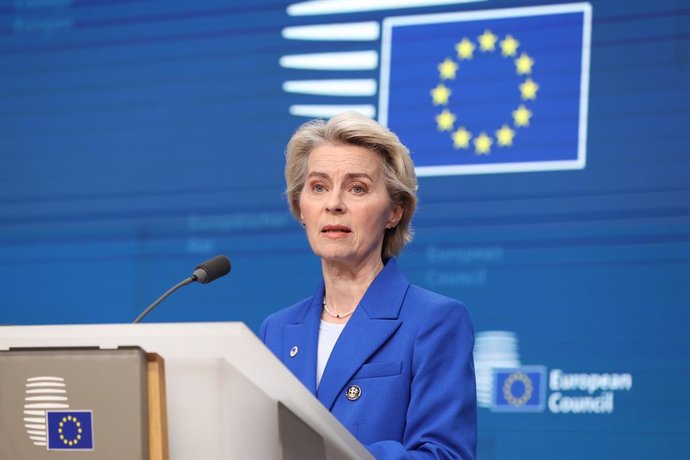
x: 409, y: 350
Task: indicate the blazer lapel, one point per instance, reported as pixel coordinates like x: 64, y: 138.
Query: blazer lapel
x: 374, y: 321
x: 303, y: 334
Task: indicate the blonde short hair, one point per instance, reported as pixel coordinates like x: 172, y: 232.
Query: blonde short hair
x: 351, y: 128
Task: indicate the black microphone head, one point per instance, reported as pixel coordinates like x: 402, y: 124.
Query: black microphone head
x: 212, y: 269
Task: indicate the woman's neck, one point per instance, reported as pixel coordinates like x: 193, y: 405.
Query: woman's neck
x: 345, y: 286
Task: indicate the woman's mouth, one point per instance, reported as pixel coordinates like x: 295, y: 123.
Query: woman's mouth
x: 335, y: 230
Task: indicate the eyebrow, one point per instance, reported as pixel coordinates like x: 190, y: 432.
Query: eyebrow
x: 350, y: 176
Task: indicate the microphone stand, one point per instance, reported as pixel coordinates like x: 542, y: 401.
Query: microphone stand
x: 184, y: 282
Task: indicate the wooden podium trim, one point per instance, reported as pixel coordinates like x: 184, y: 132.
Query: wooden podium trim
x: 158, y: 413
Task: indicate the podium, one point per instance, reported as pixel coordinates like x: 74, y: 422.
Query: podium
x: 228, y: 397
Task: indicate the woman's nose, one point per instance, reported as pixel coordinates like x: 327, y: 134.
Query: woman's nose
x: 335, y: 204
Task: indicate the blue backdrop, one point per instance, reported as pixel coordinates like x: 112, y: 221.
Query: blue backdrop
x: 140, y: 137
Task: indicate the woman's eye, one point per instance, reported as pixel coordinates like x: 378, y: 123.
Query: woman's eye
x: 358, y: 189
x: 318, y: 188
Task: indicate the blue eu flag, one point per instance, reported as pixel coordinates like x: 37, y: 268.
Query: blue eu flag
x: 488, y: 91
x: 70, y: 430
x: 521, y: 389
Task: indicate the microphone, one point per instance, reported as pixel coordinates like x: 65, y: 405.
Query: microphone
x: 204, y: 273
x: 212, y: 269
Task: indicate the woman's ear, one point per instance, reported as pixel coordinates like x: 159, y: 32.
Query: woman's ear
x: 396, y: 216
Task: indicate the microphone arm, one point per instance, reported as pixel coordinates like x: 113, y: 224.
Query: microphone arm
x: 184, y: 282
x: 204, y: 273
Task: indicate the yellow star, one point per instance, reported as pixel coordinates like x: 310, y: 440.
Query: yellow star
x: 445, y: 120
x: 440, y: 94
x: 505, y: 136
x: 447, y: 69
x: 524, y: 64
x: 528, y: 90
x: 487, y: 41
x: 465, y: 49
x: 509, y: 46
x: 482, y: 144
x: 521, y: 116
x: 461, y: 138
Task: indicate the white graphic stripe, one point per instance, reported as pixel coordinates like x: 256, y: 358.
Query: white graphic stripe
x: 354, y: 31
x: 46, y: 398
x: 341, y: 87
x: 54, y: 379
x: 46, y: 391
x: 46, y: 406
x: 33, y: 426
x: 314, y: 7
x: 46, y: 385
x: 348, y: 60
x: 34, y: 419
x: 327, y: 111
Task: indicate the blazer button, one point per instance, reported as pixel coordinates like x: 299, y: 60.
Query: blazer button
x: 353, y: 393
x: 293, y: 351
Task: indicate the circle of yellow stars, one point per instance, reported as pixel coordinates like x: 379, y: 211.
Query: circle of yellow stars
x: 508, y: 389
x: 440, y: 95
x: 75, y: 440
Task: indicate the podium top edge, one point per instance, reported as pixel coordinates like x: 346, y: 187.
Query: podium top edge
x: 10, y: 333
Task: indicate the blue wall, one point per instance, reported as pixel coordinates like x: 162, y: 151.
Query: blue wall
x: 138, y: 138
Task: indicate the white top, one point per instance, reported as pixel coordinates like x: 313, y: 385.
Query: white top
x: 328, y: 336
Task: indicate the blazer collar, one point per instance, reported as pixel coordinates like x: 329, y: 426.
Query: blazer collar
x: 303, y: 333
x: 384, y: 297
x: 372, y: 323
x: 382, y: 300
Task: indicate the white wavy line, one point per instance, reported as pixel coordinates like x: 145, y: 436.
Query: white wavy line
x: 37, y: 432
x: 327, y: 111
x: 46, y: 406
x: 35, y: 419
x: 55, y: 379
x: 39, y: 443
x: 337, y: 87
x: 46, y: 391
x: 313, y: 7
x: 38, y: 438
x: 353, y: 31
x: 42, y: 413
x: 347, y: 60
x: 32, y: 426
x: 45, y: 385
x: 46, y: 398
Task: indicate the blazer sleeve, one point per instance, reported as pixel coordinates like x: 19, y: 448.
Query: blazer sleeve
x: 441, y: 420
x: 262, y: 329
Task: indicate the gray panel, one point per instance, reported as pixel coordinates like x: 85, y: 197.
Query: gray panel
x: 298, y: 439
x: 110, y: 383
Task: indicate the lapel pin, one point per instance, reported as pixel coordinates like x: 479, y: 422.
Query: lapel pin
x: 293, y: 351
x: 354, y: 392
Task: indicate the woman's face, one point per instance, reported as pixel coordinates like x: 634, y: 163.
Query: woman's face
x: 344, y: 204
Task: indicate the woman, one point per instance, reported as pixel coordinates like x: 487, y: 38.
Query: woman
x: 392, y: 361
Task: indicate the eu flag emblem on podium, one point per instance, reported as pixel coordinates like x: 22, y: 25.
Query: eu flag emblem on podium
x: 489, y: 91
x: 521, y: 389
x: 70, y: 430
